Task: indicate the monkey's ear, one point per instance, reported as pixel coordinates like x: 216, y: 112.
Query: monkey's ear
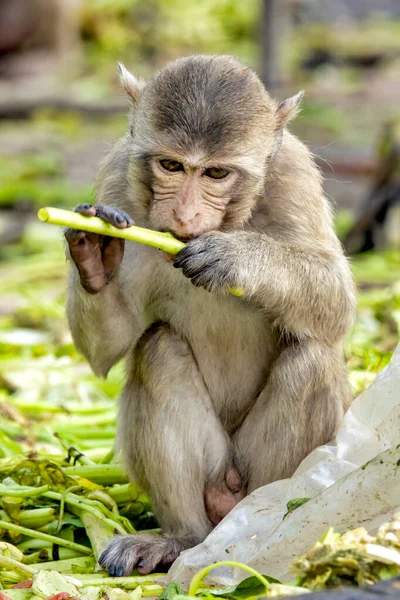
x: 288, y: 109
x: 131, y: 85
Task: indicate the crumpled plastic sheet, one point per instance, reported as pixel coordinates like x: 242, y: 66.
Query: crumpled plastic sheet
x: 353, y: 481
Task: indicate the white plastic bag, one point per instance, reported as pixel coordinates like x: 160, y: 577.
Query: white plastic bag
x: 346, y: 491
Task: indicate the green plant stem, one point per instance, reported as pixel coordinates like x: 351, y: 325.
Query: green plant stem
x: 129, y: 583
x: 101, y: 474
x: 14, y: 565
x: 63, y: 566
x: 122, y: 494
x: 45, y: 537
x: 151, y: 591
x: 36, y: 513
x: 82, y: 504
x: 73, y: 452
x: 157, y: 239
x: 74, y: 220
x: 198, y: 578
x: 108, y: 457
x: 23, y: 492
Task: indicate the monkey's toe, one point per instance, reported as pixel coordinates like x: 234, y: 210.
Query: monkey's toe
x: 126, y: 552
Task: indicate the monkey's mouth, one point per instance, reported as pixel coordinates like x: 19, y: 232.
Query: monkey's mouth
x: 182, y: 238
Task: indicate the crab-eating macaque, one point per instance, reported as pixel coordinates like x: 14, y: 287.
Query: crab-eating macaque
x: 222, y: 394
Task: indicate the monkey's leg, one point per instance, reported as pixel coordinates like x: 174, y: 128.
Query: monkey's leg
x: 300, y: 408
x: 173, y: 445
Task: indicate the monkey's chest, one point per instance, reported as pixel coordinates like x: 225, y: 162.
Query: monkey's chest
x: 233, y: 345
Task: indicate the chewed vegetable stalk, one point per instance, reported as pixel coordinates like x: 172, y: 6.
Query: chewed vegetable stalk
x: 157, y: 239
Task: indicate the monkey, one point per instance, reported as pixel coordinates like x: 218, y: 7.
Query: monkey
x: 222, y: 394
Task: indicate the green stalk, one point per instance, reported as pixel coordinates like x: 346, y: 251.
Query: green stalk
x: 23, y: 492
x: 73, y: 452
x: 157, y: 239
x: 106, y: 418
x: 62, y: 566
x: 199, y: 576
x: 152, y: 591
x: 36, y: 518
x: 98, y: 533
x: 14, y: 565
x: 10, y: 577
x: 129, y: 583
x: 103, y: 433
x: 74, y: 220
x: 36, y: 513
x: 32, y: 544
x: 122, y: 494
x: 108, y: 457
x: 101, y: 474
x: 45, y: 537
x: 86, y: 506
x: 36, y: 523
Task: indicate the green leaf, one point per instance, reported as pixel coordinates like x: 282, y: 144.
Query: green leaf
x: 49, y: 583
x: 249, y: 587
x: 173, y: 589
x: 295, y: 503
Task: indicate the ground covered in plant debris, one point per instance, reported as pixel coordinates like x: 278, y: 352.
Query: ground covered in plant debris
x: 63, y: 495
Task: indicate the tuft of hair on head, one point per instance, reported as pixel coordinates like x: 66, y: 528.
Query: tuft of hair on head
x: 288, y: 109
x: 130, y: 83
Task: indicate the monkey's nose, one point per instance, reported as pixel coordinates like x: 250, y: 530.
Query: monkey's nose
x: 184, y: 220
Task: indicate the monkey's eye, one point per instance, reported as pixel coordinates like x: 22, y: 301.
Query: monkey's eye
x: 171, y: 165
x: 216, y: 173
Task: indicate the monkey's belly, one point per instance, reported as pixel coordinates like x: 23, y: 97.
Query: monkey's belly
x: 233, y: 345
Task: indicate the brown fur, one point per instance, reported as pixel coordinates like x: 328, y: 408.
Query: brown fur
x: 223, y: 395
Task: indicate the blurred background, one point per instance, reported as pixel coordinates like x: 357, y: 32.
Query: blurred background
x: 61, y: 109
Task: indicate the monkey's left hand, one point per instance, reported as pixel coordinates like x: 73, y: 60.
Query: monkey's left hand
x: 210, y: 261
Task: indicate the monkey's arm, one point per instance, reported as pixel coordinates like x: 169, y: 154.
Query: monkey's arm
x: 289, y: 261
x: 102, y: 327
x: 305, y: 292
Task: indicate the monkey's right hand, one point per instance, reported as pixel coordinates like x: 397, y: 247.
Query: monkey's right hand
x: 97, y: 257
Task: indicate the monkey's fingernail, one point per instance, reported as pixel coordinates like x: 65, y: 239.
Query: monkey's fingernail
x: 112, y: 569
x: 102, y: 557
x: 119, y: 219
x: 141, y: 564
x: 86, y: 205
x: 120, y: 571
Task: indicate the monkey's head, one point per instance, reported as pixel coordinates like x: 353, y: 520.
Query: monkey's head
x: 204, y: 131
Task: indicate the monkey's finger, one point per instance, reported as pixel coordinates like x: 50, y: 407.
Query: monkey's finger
x: 74, y: 237
x: 86, y: 254
x: 93, y: 276
x: 113, y: 215
x: 86, y: 209
x: 191, y: 263
x: 194, y: 266
x: 112, y: 253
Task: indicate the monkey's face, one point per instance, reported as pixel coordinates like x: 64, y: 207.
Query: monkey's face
x: 191, y: 195
x: 203, y: 132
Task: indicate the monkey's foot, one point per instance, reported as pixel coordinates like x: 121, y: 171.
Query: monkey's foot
x: 221, y: 496
x: 146, y: 552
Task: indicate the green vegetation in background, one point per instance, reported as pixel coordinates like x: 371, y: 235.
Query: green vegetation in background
x: 156, y: 31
